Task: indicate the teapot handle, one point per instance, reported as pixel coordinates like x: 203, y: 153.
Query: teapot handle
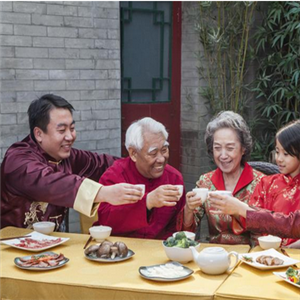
x: 235, y: 254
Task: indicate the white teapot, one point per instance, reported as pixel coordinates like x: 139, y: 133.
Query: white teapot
x: 214, y: 260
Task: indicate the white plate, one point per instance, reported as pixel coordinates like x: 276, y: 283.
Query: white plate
x: 38, y: 237
x: 287, y: 261
x: 110, y: 260
x: 35, y: 268
x: 282, y: 275
x: 175, y: 271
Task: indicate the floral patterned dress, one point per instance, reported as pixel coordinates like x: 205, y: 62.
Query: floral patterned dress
x: 278, y: 193
x: 221, y: 226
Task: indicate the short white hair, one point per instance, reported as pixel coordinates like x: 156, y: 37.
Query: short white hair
x: 134, y: 134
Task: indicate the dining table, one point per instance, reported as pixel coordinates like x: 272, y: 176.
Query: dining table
x: 84, y: 279
x: 247, y: 282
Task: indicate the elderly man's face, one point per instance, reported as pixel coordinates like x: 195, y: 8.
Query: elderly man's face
x: 153, y: 157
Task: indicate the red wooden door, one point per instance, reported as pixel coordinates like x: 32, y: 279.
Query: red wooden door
x: 166, y: 112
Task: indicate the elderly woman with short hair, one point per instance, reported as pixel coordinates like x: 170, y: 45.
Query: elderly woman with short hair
x: 229, y: 142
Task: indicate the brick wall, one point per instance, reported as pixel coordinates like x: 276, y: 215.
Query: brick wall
x: 194, y: 114
x: 71, y: 49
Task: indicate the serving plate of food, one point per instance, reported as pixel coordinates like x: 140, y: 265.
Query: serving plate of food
x: 291, y: 276
x: 268, y: 259
x: 171, y: 271
x: 41, y: 262
x: 108, y: 252
x: 36, y: 242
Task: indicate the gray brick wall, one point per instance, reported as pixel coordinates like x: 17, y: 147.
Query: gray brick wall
x: 67, y: 48
x: 194, y: 114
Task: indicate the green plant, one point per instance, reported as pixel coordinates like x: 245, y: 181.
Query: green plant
x: 224, y: 30
x: 278, y: 81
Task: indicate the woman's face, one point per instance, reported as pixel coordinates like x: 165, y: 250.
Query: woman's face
x: 227, y: 150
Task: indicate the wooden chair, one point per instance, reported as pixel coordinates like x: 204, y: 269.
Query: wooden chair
x: 264, y: 167
x: 86, y: 222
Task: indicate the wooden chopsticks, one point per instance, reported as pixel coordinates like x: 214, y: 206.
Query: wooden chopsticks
x: 286, y: 254
x: 88, y: 241
x: 16, y: 237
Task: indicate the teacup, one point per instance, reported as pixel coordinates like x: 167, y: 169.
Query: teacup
x: 220, y: 192
x: 202, y: 193
x: 180, y: 188
x: 142, y: 186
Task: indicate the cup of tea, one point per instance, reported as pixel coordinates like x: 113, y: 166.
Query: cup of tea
x: 180, y: 188
x: 142, y: 186
x: 201, y: 193
x: 220, y: 192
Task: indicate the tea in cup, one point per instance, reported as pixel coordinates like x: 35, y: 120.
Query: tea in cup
x: 220, y: 192
x: 180, y: 188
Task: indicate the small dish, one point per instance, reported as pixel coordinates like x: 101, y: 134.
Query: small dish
x: 18, y: 262
x: 172, y: 271
x: 269, y: 241
x: 282, y: 275
x: 287, y: 261
x: 110, y: 260
x: 100, y: 233
x: 39, y: 242
x: 44, y: 227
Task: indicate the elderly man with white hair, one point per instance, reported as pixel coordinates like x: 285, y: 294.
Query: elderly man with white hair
x: 155, y: 215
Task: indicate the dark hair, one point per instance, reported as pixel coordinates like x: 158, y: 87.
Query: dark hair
x: 232, y: 120
x: 39, y: 111
x: 289, y: 138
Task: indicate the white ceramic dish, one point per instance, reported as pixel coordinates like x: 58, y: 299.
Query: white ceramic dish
x: 44, y: 227
x: 100, y: 233
x: 149, y: 272
x: 110, y: 260
x: 282, y: 275
x: 269, y: 241
x: 35, y: 268
x: 39, y: 238
x: 287, y: 261
x: 181, y: 255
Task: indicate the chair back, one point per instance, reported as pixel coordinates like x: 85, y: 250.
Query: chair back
x: 264, y: 167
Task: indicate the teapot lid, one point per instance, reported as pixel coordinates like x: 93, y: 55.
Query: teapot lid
x: 214, y: 250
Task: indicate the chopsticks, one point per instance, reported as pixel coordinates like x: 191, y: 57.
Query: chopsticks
x: 286, y: 254
x: 88, y: 241
x: 16, y: 237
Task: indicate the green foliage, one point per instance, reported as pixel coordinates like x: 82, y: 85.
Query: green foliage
x: 278, y: 84
x: 224, y: 29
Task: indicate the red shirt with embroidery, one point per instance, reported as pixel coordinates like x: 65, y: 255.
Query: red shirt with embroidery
x: 221, y: 226
x: 278, y: 193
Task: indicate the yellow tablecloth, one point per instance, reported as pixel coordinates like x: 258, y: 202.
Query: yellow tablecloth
x: 83, y: 279
x: 247, y: 282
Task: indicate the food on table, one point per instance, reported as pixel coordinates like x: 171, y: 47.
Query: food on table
x: 42, y: 260
x: 30, y: 243
x: 293, y: 275
x: 180, y: 240
x: 168, y: 270
x: 269, y: 260
x: 248, y: 258
x: 107, y: 250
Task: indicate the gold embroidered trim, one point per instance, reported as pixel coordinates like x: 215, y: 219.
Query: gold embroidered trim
x: 54, y: 162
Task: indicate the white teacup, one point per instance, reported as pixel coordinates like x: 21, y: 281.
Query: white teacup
x: 143, y: 187
x: 180, y: 188
x: 202, y: 193
x: 220, y: 192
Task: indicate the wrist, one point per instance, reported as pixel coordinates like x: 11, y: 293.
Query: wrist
x: 100, y: 195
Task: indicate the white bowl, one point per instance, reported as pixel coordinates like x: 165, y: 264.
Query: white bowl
x: 189, y: 234
x: 100, y: 233
x: 182, y: 255
x: 269, y: 241
x: 44, y: 227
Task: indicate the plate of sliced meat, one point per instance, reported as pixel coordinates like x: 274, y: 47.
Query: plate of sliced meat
x: 268, y: 259
x: 41, y: 262
x: 36, y: 242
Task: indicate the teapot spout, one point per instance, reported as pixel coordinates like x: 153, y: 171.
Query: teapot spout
x: 195, y: 254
